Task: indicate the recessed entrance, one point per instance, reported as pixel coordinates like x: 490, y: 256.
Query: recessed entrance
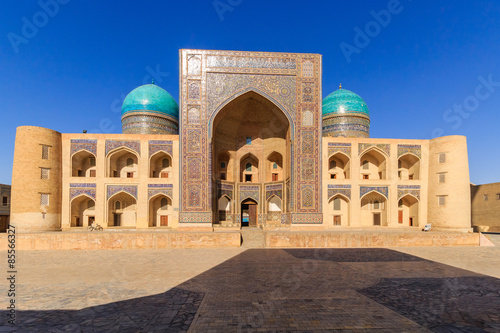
x: 376, y: 219
x: 249, y: 213
x: 251, y: 147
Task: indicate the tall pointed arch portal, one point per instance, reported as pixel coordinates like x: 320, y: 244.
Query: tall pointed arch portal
x: 249, y: 105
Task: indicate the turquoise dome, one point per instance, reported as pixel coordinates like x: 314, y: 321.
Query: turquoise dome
x: 343, y: 101
x: 150, y: 98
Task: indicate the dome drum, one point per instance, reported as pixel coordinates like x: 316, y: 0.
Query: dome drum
x: 346, y: 126
x: 140, y: 123
x: 345, y: 114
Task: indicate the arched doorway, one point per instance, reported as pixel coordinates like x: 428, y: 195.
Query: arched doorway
x: 408, y: 211
x: 373, y: 209
x: 160, y: 209
x: 250, y: 144
x: 122, y: 209
x: 82, y: 211
x: 338, y: 210
x: 248, y: 211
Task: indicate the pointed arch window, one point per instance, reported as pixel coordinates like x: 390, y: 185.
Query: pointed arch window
x: 130, y: 162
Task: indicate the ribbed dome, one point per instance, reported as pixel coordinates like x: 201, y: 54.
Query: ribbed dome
x: 150, y: 98
x: 343, y: 101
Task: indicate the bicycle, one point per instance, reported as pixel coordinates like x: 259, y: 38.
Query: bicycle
x: 94, y: 227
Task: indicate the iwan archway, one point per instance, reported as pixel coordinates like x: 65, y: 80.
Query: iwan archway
x: 250, y: 128
x: 251, y: 148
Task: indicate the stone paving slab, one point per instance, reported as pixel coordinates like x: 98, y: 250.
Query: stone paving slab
x: 258, y: 290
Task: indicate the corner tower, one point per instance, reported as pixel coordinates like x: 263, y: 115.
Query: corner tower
x: 345, y: 114
x: 150, y: 109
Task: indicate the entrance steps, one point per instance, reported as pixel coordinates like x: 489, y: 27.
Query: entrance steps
x: 493, y: 237
x: 252, y: 237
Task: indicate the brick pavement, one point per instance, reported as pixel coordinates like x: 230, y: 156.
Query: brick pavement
x: 259, y: 290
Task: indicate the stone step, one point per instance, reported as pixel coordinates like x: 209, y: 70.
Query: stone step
x: 253, y: 238
x: 494, y: 238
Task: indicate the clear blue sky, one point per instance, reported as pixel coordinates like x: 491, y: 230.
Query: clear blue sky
x: 71, y: 72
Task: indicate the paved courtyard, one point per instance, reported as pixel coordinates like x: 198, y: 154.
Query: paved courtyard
x: 447, y: 289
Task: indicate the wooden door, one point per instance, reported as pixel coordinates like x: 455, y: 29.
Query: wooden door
x: 376, y: 219
x: 116, y: 219
x: 164, y: 221
x: 77, y: 221
x: 400, y: 216
x: 337, y: 220
x: 252, y: 215
x: 92, y: 173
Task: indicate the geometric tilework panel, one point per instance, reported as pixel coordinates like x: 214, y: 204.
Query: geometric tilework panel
x: 74, y: 192
x: 414, y: 190
x: 339, y: 189
x: 194, y: 195
x: 307, y: 196
x: 384, y: 190
x: 384, y: 147
x: 112, y: 144
x: 414, y: 149
x: 130, y: 189
x: 249, y: 191
x: 307, y: 218
x: 154, y: 189
x: 334, y: 147
x: 195, y: 217
x: 194, y: 168
x: 221, y: 86
x: 225, y: 189
x: 307, y: 142
x: 275, y: 189
x: 89, y: 145
x: 157, y: 145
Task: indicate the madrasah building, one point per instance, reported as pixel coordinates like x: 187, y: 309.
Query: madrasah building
x: 251, y: 144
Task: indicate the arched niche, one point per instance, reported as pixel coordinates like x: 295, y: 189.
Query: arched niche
x: 160, y: 165
x: 83, y: 164
x: 408, y: 211
x: 82, y: 211
x: 122, y: 210
x: 123, y: 163
x: 374, y: 210
x: 373, y: 164
x: 338, y: 210
x: 225, y: 167
x: 274, y: 167
x: 160, y: 210
x: 224, y: 208
x: 409, y: 167
x: 339, y: 166
x: 249, y: 169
